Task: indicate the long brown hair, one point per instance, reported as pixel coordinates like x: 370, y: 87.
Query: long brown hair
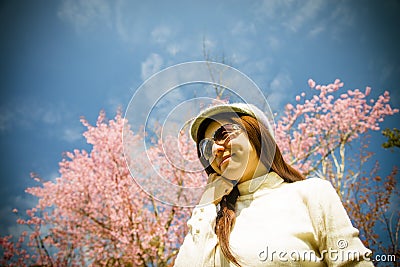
x: 263, y: 143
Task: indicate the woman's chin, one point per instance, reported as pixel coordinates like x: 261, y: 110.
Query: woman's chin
x: 232, y: 173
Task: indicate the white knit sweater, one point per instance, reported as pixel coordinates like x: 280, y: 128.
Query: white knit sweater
x: 278, y: 224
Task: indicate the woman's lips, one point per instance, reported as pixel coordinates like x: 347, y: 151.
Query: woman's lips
x: 224, y: 160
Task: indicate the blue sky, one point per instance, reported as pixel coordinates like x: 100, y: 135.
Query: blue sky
x: 64, y: 59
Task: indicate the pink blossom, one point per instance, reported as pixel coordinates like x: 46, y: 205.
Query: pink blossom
x: 367, y: 90
x: 311, y: 83
x: 319, y: 124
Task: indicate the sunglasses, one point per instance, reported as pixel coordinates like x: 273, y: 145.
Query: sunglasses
x: 222, y: 136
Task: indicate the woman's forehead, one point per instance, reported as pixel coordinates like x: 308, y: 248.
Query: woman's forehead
x: 213, y: 126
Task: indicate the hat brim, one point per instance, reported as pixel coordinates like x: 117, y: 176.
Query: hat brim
x: 215, y: 110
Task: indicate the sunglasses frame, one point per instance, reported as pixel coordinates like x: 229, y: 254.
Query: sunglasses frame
x: 221, y: 134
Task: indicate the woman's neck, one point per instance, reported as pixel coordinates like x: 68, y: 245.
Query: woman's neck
x: 259, y: 171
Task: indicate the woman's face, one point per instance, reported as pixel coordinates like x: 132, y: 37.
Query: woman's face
x: 236, y: 159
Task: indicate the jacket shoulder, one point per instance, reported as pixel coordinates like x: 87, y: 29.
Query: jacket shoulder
x: 316, y: 190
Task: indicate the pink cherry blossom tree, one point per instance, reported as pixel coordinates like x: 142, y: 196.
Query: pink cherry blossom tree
x: 94, y: 213
x: 316, y: 131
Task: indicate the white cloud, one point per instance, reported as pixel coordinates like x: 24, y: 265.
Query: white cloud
x: 273, y: 42
x: 151, y: 65
x: 120, y: 24
x: 161, y: 34
x: 303, y: 14
x: 243, y: 28
x: 258, y: 69
x: 71, y: 135
x: 237, y: 58
x: 51, y: 116
x: 290, y: 14
x: 208, y: 43
x: 165, y: 36
x: 37, y: 112
x: 27, y: 113
x: 130, y: 21
x: 316, y: 30
x: 343, y: 14
x: 53, y: 120
x: 271, y: 8
x: 306, y: 17
x: 85, y: 13
x: 279, y: 88
x: 173, y: 49
x: 342, y: 19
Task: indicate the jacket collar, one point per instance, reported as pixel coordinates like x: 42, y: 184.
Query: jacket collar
x: 269, y: 180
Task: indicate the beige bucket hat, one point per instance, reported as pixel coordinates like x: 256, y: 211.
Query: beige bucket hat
x: 242, y: 108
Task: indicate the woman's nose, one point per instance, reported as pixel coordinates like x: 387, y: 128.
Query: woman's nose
x: 218, y: 148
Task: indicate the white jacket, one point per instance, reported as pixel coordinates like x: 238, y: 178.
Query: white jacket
x: 279, y: 224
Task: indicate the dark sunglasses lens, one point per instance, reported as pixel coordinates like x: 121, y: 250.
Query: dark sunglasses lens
x: 223, y: 133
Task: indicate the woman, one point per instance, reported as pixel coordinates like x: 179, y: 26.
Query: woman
x: 256, y: 209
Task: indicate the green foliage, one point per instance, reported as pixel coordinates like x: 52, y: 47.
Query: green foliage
x: 393, y: 138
